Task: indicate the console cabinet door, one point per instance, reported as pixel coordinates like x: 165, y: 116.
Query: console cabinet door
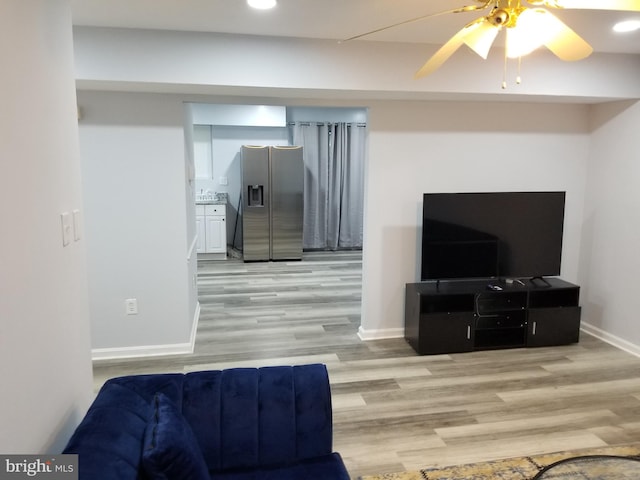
x: 553, y: 326
x: 446, y: 332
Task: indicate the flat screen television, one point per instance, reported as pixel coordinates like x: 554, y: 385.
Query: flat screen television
x: 492, y: 234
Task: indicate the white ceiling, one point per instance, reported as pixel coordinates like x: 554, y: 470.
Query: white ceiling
x: 331, y: 19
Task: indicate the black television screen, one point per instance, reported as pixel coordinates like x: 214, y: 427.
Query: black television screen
x: 492, y: 234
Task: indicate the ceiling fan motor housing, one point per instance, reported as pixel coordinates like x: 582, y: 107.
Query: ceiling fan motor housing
x: 500, y: 17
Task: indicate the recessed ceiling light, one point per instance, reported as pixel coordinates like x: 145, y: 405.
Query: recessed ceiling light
x: 262, y: 4
x: 627, y: 26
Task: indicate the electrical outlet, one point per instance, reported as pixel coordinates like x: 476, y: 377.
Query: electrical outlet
x: 131, y: 306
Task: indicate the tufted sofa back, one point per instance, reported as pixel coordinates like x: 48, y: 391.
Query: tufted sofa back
x: 242, y: 418
x: 259, y: 417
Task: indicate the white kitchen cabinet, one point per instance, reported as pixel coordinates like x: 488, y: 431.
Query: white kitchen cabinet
x: 211, y: 228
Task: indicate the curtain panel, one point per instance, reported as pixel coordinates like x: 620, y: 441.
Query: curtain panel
x: 334, y: 155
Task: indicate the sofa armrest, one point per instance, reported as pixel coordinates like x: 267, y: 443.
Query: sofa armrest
x: 108, y: 441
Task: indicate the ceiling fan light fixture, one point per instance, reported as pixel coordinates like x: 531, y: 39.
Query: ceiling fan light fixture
x: 262, y: 4
x: 480, y: 38
x: 535, y: 27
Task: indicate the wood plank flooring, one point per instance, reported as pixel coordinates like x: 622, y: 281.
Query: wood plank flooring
x: 394, y: 410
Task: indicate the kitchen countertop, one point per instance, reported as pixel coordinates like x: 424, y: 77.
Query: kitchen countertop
x: 219, y: 198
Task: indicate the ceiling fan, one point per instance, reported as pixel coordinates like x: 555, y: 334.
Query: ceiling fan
x: 529, y: 24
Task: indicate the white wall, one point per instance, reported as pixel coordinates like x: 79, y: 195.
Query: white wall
x: 418, y: 147
x: 190, y: 217
x: 45, y: 363
x: 135, y: 187
x: 327, y: 114
x: 239, y: 115
x: 168, y: 61
x: 611, y: 231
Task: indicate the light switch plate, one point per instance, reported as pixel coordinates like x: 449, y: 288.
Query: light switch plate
x: 65, y: 219
x: 223, y: 181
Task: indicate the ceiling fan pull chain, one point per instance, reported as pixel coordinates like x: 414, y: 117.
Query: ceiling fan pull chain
x: 504, y: 70
x: 518, y: 77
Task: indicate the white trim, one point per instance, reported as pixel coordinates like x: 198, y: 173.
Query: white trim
x: 380, y: 334
x: 212, y: 256
x: 194, y: 327
x: 140, y: 351
x: 610, y: 339
x: 150, y: 350
x: 192, y: 248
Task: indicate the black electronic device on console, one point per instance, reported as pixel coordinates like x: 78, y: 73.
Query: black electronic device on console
x: 492, y: 235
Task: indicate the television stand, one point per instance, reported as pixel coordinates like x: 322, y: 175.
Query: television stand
x: 462, y: 316
x: 541, y: 279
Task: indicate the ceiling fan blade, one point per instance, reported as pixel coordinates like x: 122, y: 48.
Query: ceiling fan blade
x: 469, y: 8
x: 623, y: 5
x: 536, y: 27
x: 448, y: 49
x: 565, y: 43
x: 481, y: 38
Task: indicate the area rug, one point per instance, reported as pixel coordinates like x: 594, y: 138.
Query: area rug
x: 526, y: 468
x: 593, y: 467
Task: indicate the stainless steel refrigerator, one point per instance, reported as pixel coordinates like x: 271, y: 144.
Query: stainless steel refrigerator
x: 272, y: 205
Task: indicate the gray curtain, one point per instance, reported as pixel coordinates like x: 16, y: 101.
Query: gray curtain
x: 334, y: 155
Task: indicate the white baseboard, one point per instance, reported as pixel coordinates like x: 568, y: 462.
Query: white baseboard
x: 212, y: 256
x: 380, y: 334
x: 141, y: 351
x: 194, y: 327
x: 150, y: 350
x: 192, y: 248
x: 610, y: 339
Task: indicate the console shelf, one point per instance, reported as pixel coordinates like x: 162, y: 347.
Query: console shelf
x: 462, y: 316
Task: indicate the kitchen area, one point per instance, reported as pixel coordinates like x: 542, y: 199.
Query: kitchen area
x: 237, y: 193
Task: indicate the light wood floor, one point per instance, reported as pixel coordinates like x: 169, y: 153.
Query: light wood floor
x: 395, y: 410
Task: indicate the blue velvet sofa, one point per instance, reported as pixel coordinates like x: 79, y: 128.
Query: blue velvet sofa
x: 237, y: 424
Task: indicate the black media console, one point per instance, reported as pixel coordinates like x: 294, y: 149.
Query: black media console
x: 462, y: 316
